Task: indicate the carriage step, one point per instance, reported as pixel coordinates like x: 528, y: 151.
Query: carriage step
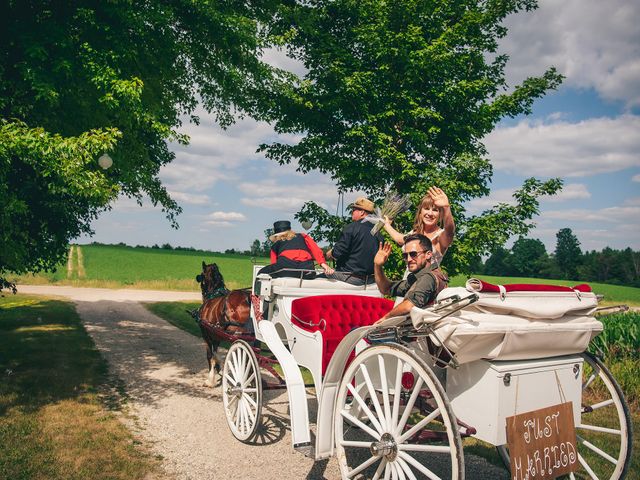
x: 306, y: 449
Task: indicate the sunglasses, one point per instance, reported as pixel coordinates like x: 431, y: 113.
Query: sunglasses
x: 406, y: 255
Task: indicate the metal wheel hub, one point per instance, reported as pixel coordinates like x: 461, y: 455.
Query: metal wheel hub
x: 235, y: 391
x: 386, y: 447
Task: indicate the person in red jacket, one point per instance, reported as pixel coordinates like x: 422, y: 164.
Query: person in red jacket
x: 292, y: 252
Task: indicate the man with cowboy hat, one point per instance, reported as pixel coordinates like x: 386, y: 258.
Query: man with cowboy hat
x: 356, y: 248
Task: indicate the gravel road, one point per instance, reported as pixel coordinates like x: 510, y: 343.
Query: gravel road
x: 162, y: 370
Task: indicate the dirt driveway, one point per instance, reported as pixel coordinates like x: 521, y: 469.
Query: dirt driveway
x: 162, y: 370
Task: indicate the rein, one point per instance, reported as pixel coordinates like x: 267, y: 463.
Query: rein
x: 218, y: 292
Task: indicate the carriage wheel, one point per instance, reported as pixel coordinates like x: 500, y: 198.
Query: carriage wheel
x: 393, y: 419
x: 604, y: 434
x: 242, y: 391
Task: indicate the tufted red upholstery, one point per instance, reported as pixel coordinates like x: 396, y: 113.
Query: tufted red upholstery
x: 341, y: 314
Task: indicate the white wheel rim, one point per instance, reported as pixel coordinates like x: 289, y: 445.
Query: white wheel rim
x: 242, y: 390
x: 373, y: 424
x: 603, y: 435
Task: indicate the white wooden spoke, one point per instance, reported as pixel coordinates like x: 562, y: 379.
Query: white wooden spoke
x: 355, y: 444
x: 251, y: 400
x: 358, y: 423
x: 381, y: 468
x: 362, y: 466
x: 406, y: 468
x: 414, y: 447
x: 397, y: 389
x: 372, y: 392
x: 418, y: 426
x: 606, y: 403
x: 365, y: 409
x: 586, y: 466
x: 416, y: 464
x: 572, y: 476
x: 387, y: 471
x: 595, y: 449
x: 385, y: 392
x: 593, y: 428
x: 250, y: 416
x: 409, y: 407
x: 400, y: 471
x: 249, y: 380
x: 591, y: 378
x: 229, y: 379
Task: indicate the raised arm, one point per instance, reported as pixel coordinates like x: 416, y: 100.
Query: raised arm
x: 441, y: 201
x: 383, y: 283
x: 393, y: 233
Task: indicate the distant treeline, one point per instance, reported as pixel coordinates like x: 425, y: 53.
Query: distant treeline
x: 529, y: 258
x: 168, y: 246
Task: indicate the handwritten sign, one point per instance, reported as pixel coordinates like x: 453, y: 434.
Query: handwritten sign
x: 542, y: 443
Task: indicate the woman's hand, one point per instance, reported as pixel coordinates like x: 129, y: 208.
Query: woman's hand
x: 439, y: 198
x: 383, y: 254
x: 327, y: 269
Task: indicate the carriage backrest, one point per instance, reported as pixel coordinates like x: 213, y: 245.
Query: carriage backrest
x: 335, y: 316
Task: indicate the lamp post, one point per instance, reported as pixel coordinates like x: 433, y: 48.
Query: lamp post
x: 105, y: 161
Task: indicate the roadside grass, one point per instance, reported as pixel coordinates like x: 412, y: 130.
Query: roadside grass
x: 58, y: 419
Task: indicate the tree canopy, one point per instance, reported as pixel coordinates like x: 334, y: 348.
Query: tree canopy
x: 399, y: 95
x: 79, y: 79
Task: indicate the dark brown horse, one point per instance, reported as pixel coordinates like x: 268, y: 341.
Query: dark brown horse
x: 221, y: 309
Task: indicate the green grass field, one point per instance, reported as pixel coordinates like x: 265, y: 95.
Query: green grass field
x: 51, y: 373
x: 147, y: 268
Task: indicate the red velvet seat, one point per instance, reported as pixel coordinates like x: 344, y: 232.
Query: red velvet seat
x: 336, y: 315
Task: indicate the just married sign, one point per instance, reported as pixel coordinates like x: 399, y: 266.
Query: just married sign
x: 542, y: 443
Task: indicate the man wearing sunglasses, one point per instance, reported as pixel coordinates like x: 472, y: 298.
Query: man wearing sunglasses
x: 420, y: 286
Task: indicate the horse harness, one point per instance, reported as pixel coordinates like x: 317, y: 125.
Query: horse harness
x: 225, y: 323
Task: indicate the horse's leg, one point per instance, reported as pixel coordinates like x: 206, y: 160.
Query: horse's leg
x: 211, y: 362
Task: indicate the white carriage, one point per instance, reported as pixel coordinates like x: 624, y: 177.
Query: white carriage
x: 417, y: 386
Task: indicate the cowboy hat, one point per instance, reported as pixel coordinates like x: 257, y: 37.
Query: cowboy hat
x: 363, y: 203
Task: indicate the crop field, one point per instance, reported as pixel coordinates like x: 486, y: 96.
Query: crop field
x: 148, y: 268
x: 120, y: 266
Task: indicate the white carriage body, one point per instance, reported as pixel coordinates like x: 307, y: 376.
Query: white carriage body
x: 515, y: 352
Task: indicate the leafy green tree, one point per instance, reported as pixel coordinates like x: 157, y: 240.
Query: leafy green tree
x: 567, y: 253
x: 256, y: 248
x: 499, y: 263
x: 78, y: 79
x: 528, y: 257
x: 399, y: 95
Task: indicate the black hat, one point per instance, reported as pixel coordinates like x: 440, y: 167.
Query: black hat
x: 281, y: 226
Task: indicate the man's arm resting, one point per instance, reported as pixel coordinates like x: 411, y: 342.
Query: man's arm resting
x: 400, y: 310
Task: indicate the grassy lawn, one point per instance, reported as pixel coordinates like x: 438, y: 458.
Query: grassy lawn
x: 57, y: 418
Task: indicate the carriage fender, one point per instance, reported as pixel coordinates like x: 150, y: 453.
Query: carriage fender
x: 329, y: 394
x: 296, y: 391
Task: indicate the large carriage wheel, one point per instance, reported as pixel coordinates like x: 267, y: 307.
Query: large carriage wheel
x: 242, y: 391
x: 393, y: 419
x: 604, y: 434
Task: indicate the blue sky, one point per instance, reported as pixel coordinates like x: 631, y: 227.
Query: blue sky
x: 587, y: 132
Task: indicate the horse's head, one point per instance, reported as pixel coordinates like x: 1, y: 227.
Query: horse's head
x: 211, y: 281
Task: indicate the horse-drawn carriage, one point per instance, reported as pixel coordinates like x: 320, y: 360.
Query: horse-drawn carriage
x: 396, y: 399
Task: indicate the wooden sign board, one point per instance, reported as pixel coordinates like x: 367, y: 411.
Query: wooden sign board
x: 542, y: 443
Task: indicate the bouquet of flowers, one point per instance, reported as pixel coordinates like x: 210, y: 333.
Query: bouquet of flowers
x: 394, y: 204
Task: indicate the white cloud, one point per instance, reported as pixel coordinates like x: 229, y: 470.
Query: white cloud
x: 566, y: 149
x: 594, y: 43
x: 288, y: 193
x: 635, y: 178
x: 623, y: 214
x: 570, y: 191
x: 192, y: 199
x: 227, y: 216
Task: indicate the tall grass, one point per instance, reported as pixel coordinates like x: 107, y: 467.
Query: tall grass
x: 54, y: 420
